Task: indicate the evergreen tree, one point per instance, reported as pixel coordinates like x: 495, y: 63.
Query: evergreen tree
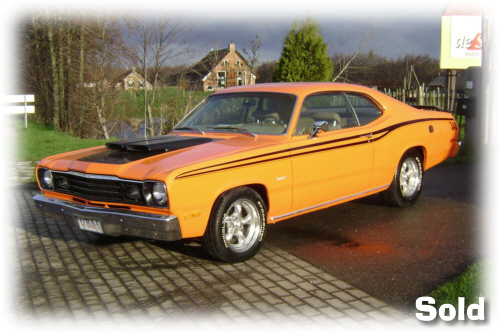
x: 304, y: 56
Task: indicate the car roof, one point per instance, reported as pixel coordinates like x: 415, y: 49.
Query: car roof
x: 298, y: 88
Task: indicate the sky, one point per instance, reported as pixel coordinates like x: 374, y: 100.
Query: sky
x: 343, y: 30
x: 397, y: 27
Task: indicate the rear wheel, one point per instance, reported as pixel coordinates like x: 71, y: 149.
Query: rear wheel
x: 237, y: 225
x: 406, y: 185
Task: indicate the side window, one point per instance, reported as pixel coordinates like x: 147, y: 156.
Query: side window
x: 365, y: 109
x: 330, y: 107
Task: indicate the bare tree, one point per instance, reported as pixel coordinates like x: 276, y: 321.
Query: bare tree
x: 265, y: 71
x: 253, y: 54
x: 70, y: 63
x: 345, y: 60
x: 156, y: 43
x: 81, y: 77
x: 103, y: 66
x: 369, y: 68
x: 36, y: 64
x: 54, y: 73
x: 48, y: 61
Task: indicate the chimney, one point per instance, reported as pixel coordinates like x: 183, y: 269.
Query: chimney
x: 232, y: 47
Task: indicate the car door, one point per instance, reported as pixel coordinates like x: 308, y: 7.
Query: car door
x: 331, y: 165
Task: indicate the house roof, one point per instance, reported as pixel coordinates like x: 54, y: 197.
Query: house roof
x: 211, y: 60
x: 122, y: 76
x: 440, y: 81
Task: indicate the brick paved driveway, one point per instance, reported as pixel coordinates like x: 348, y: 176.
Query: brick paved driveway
x: 67, y: 275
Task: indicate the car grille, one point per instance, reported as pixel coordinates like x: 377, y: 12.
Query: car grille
x: 98, y: 188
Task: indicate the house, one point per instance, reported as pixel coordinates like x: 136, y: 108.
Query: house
x: 130, y: 80
x: 220, y: 69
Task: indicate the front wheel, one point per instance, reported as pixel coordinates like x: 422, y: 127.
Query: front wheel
x: 406, y: 185
x: 237, y: 225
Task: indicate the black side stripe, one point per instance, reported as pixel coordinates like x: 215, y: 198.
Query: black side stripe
x: 290, y: 151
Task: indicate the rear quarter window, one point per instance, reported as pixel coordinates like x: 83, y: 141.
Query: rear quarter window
x: 365, y: 109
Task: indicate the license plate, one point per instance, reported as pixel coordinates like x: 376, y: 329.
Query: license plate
x: 90, y: 225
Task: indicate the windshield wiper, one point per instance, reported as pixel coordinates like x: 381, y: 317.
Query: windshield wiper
x: 239, y: 129
x: 190, y: 129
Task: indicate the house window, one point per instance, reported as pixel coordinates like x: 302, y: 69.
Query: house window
x: 238, y: 62
x: 130, y: 83
x: 242, y: 77
x: 226, y: 62
x: 221, y: 79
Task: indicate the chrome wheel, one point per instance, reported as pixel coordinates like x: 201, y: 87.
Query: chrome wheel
x: 237, y: 225
x: 241, y: 225
x: 409, y: 177
x: 406, y: 186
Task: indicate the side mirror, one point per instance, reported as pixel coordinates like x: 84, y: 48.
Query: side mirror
x: 318, y: 127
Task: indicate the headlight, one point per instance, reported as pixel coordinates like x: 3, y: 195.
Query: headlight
x: 45, y: 178
x: 155, y: 193
x: 160, y: 193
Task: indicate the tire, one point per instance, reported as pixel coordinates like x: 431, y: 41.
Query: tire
x: 237, y: 225
x: 406, y: 185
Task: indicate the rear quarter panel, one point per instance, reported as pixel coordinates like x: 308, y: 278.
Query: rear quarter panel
x: 435, y: 134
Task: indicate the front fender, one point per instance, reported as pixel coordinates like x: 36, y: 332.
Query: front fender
x: 192, y: 198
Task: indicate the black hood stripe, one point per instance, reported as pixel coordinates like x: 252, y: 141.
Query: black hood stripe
x: 159, y: 143
x: 122, y: 152
x: 293, y: 152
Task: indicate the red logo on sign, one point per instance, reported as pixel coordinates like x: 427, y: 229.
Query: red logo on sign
x: 477, y: 43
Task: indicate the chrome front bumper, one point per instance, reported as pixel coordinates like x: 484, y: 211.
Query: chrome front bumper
x: 115, y: 222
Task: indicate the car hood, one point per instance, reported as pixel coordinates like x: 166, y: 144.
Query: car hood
x: 155, y: 158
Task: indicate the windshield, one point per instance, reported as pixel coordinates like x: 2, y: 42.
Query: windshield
x: 248, y: 113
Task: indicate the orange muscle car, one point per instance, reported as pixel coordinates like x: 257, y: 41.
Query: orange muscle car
x: 248, y: 156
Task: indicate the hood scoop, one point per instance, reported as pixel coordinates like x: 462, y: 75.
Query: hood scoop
x: 158, y: 143
x: 122, y: 152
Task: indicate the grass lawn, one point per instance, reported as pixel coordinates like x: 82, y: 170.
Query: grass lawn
x: 41, y: 140
x: 469, y: 285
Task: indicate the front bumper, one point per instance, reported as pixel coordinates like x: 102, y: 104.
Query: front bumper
x: 115, y: 222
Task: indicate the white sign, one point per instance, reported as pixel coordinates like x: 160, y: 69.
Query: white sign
x: 466, y: 37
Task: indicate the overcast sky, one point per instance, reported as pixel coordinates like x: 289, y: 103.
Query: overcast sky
x: 401, y: 27
x: 398, y: 28
x: 340, y: 35
x: 413, y: 30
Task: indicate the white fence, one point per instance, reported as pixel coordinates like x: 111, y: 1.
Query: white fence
x: 18, y: 104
